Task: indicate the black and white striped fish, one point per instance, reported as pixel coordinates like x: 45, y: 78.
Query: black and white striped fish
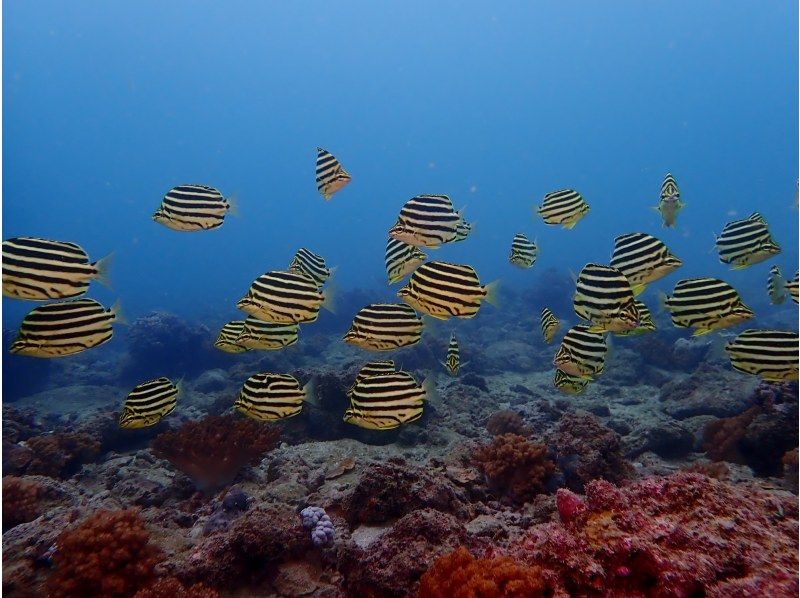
x: 387, y: 401
x: 791, y: 286
x: 646, y: 323
x: 642, y: 259
x: 771, y: 354
x: 385, y: 327
x: 373, y: 368
x: 523, y: 251
x: 40, y: 269
x: 65, y: 328
x: 427, y: 221
x: 228, y: 335
x: 570, y: 385
x: 776, y: 286
x: 267, y: 336
x: 452, y: 361
x: 565, y: 207
x: 312, y: 265
x: 148, y: 403
x: 269, y: 397
x: 604, y: 297
x: 582, y: 353
x: 549, y: 324
x: 401, y: 259
x: 192, y: 208
x: 331, y: 177
x: 669, y: 202
x: 285, y: 297
x: 706, y: 304
x: 743, y: 243
x: 443, y: 289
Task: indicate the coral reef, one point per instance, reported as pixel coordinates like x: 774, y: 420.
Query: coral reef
x: 460, y: 575
x: 21, y: 501
x: 212, y: 450
x: 59, y: 455
x: 507, y: 422
x: 710, y: 390
x: 790, y: 467
x: 516, y: 469
x: 713, y: 469
x: 171, y: 587
x: 107, y: 555
x: 319, y: 524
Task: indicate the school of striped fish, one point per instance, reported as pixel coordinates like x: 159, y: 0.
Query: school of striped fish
x: 383, y: 397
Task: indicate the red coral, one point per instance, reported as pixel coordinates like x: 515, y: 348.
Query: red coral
x: 212, y: 450
x: 718, y: 470
x: 506, y: 422
x: 59, y: 455
x: 721, y: 437
x: 790, y: 470
x: 515, y: 468
x: 107, y: 556
x: 21, y: 501
x: 171, y: 587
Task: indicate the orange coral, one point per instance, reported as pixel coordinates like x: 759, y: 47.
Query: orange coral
x: 106, y: 556
x: 20, y: 501
x: 515, y: 467
x: 721, y: 437
x: 60, y: 454
x: 505, y: 422
x: 460, y: 575
x: 171, y: 587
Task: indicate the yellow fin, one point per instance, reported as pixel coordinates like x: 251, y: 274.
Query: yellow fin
x: 570, y: 225
x: 102, y: 266
x: 638, y: 289
x: 493, y: 293
x: 119, y: 316
x: 701, y: 331
x: 310, y: 392
x: 233, y: 203
x: 431, y: 392
x: 330, y: 298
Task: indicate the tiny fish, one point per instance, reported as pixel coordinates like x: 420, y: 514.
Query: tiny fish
x: 570, y: 385
x: 427, y: 221
x: 771, y: 354
x: 270, y: 397
x: 669, y: 203
x: 331, y: 177
x: 604, y: 297
x: 385, y: 327
x: 582, y: 353
x: 642, y: 259
x: 267, y: 336
x: 549, y: 324
x: 646, y: 323
x: 387, y: 401
x: 226, y: 340
x: 776, y: 286
x: 565, y: 207
x: 148, y: 403
x: 189, y: 208
x: 401, y: 259
x: 706, y: 304
x: 743, y: 243
x: 523, y: 251
x: 452, y: 361
x: 312, y: 265
x: 285, y: 298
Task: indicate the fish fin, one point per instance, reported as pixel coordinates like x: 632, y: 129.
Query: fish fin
x: 596, y: 328
x: 662, y: 302
x: 656, y: 208
x: 638, y: 289
x: 310, y: 392
x: 463, y: 365
x: 119, y: 316
x: 330, y: 298
x: 233, y: 203
x: 570, y: 225
x: 714, y: 248
x: 739, y: 266
x: 493, y: 293
x: 573, y: 277
x: 103, y: 265
x: 432, y: 395
x: 701, y: 331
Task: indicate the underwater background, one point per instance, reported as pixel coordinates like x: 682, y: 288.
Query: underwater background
x: 107, y: 106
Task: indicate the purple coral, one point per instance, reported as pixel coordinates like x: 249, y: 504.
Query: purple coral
x: 321, y: 526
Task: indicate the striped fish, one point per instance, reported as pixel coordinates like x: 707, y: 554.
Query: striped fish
x: 442, y: 289
x: 791, y: 286
x: 642, y: 259
x: 570, y: 385
x: 565, y: 207
x: 65, y: 328
x: 743, y: 243
x: 269, y: 397
x: 523, y: 251
x: 227, y: 338
x: 452, y: 362
x: 776, y: 286
x: 549, y: 324
x: 267, y: 336
x: 387, y: 401
x: 706, y: 304
x: 312, y: 265
x: 604, y: 297
x: 40, y: 269
x: 401, y: 259
x: 771, y: 354
x: 669, y: 202
x: 462, y: 230
x: 331, y: 177
x: 427, y: 221
x: 285, y: 298
x: 192, y: 208
x: 582, y: 353
x: 373, y: 368
x: 148, y: 402
x: 385, y: 327
x: 646, y: 323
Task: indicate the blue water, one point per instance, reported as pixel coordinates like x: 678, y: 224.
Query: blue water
x: 108, y: 105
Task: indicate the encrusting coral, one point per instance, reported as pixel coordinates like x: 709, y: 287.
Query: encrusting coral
x: 107, y: 556
x: 212, y: 450
x: 507, y: 422
x: 21, y: 501
x: 171, y: 587
x: 515, y: 468
x: 59, y: 455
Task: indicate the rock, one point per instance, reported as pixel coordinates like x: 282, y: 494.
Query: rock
x: 710, y: 390
x: 666, y: 438
x: 211, y: 381
x: 476, y: 381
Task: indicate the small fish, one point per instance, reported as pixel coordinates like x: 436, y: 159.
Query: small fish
x: 226, y: 340
x: 65, y: 328
x: 604, y: 297
x: 385, y: 327
x: 270, y: 397
x: 642, y: 259
x: 452, y: 361
x: 189, y: 208
x: 776, y: 286
x: 549, y: 324
x: 40, y: 269
x: 462, y: 231
x: 373, y: 368
x: 442, y: 289
x: 669, y: 203
x: 387, y: 401
x: 791, y: 286
x: 771, y: 354
x: 148, y: 403
x: 427, y: 221
x: 523, y: 251
x: 570, y: 385
x: 312, y: 265
x: 706, y: 304
x: 401, y: 259
x: 565, y: 207
x: 267, y: 336
x: 743, y: 243
x: 285, y: 298
x: 582, y: 353
x: 646, y: 323
x: 331, y: 177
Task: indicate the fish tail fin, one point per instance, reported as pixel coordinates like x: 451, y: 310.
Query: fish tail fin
x: 570, y: 225
x: 329, y: 302
x: 493, y: 293
x: 310, y: 392
x: 119, y: 315
x: 103, y: 266
x: 662, y: 302
x: 233, y: 203
x: 638, y: 289
x: 596, y: 328
x: 432, y: 395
